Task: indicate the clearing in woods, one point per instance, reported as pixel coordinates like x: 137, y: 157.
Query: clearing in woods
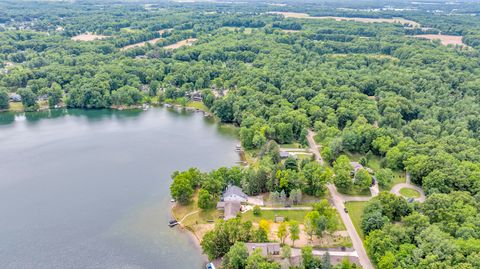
x: 369, y: 20
x: 88, y: 37
x: 144, y: 43
x: 444, y: 39
x: 186, y: 42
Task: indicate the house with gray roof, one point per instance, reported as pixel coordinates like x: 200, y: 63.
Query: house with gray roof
x: 234, y: 193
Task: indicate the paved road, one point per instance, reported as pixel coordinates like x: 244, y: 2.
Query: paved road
x: 298, y: 252
x: 396, y: 190
x: 314, y: 147
x: 357, y: 243
x: 338, y: 202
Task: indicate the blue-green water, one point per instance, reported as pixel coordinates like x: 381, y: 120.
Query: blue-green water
x: 90, y: 189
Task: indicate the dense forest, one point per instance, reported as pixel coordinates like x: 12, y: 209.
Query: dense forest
x: 364, y: 88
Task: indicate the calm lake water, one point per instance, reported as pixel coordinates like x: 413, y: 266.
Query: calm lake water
x: 90, y: 189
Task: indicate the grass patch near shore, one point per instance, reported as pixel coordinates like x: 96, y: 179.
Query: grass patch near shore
x: 355, y: 211
x: 198, y: 105
x: 179, y: 211
x: 16, y: 107
x: 409, y: 193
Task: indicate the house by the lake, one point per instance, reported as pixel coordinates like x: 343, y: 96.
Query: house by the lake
x: 15, y: 97
x: 234, y: 193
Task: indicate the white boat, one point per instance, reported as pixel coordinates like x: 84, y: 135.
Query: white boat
x: 145, y: 107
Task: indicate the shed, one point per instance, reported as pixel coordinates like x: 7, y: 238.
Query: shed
x: 284, y: 154
x: 267, y: 249
x: 279, y: 219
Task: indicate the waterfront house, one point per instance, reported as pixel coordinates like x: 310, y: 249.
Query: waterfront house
x: 234, y: 193
x: 15, y: 97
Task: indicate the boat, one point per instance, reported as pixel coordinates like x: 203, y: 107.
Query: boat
x: 145, y: 107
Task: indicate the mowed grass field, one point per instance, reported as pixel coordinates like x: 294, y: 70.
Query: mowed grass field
x: 355, y: 210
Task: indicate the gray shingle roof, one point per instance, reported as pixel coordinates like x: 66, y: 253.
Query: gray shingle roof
x: 234, y: 190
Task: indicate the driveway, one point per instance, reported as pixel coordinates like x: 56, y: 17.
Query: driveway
x: 255, y: 200
x: 357, y: 243
x: 396, y: 190
x: 338, y: 202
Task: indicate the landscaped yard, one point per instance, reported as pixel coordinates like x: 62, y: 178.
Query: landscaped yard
x: 355, y: 210
x: 201, y: 217
x: 297, y: 215
x: 409, y: 193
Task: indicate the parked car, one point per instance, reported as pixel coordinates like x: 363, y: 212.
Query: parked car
x: 345, y: 209
x: 210, y: 266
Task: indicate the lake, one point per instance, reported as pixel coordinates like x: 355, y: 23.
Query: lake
x: 90, y: 189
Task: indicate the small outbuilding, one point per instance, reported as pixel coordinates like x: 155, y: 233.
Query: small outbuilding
x: 284, y: 154
x: 267, y: 249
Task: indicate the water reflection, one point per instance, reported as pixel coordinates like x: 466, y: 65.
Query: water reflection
x: 90, y: 188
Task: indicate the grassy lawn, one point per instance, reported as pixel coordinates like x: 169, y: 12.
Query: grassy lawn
x: 198, y: 105
x: 203, y: 216
x: 355, y: 210
x: 306, y: 156
x: 297, y: 215
x: 374, y: 162
x: 409, y: 193
x: 16, y: 106
x: 357, y: 192
x: 291, y: 145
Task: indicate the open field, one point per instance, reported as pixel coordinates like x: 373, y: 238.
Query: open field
x: 355, y: 210
x: 165, y: 30
x: 88, y: 37
x: 444, y: 39
x: 179, y: 44
x: 141, y: 44
x: 366, y: 20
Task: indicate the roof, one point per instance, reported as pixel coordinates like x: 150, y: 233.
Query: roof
x: 232, y: 208
x: 234, y: 190
x: 267, y: 248
x: 284, y: 154
x: 356, y: 166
